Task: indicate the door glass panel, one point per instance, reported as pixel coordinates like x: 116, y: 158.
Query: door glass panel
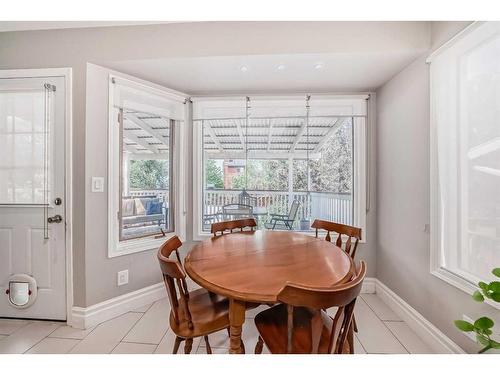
x: 22, y: 139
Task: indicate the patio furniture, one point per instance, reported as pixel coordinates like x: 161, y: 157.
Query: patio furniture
x: 300, y: 324
x: 247, y: 199
x: 236, y: 211
x: 284, y: 221
x: 259, y: 213
x: 222, y: 226
x: 243, y: 267
x: 142, y: 210
x: 194, y: 314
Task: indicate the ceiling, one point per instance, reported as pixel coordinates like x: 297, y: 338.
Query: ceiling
x: 327, y: 72
x: 50, y: 25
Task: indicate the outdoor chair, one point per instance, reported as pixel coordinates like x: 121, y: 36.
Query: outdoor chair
x: 284, y: 221
x: 236, y: 211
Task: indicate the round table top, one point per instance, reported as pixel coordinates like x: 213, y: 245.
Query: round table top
x: 255, y: 266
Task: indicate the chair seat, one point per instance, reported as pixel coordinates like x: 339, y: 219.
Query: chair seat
x: 273, y: 329
x: 209, y: 313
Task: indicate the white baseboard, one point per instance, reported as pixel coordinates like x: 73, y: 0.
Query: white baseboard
x: 428, y: 332
x: 90, y: 316
x: 369, y: 285
x: 85, y: 317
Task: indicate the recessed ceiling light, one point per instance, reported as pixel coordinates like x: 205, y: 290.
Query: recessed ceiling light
x: 319, y: 66
x: 281, y: 67
x: 244, y: 68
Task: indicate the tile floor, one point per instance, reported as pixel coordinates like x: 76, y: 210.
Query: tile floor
x: 145, y: 330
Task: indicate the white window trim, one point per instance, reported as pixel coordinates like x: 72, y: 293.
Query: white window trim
x: 468, y: 286
x: 115, y: 246
x: 360, y: 173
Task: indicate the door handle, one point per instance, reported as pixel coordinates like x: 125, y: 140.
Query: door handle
x: 54, y: 219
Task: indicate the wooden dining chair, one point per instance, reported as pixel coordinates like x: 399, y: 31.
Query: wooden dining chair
x: 299, y: 325
x: 341, y: 230
x: 192, y: 314
x: 231, y: 225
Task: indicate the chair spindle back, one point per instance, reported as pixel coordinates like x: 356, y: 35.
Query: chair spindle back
x: 175, y: 276
x: 341, y: 230
x: 230, y: 225
x: 342, y: 296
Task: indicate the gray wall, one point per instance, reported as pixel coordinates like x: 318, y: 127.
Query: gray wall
x: 403, y: 191
x: 76, y: 47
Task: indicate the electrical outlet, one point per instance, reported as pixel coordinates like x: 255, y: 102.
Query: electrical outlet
x: 122, y: 278
x: 471, y: 335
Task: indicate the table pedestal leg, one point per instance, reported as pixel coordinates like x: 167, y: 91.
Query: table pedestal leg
x: 236, y: 320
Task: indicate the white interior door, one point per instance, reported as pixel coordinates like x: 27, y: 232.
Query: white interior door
x: 32, y: 201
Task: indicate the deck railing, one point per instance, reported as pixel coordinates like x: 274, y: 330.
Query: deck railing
x: 328, y: 206
x: 336, y: 207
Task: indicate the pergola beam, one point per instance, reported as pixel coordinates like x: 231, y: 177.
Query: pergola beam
x: 148, y: 129
x: 140, y: 141
x: 301, y: 131
x: 212, y: 135
x: 129, y: 148
x: 260, y: 154
x: 269, y: 135
x: 338, y: 123
x: 240, y: 133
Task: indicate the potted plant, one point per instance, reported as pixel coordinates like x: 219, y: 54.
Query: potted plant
x: 305, y: 224
x: 483, y: 326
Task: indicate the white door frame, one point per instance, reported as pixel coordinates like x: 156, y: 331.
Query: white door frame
x: 68, y: 214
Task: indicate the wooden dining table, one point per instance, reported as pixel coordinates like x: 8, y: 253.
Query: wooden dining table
x: 253, y: 266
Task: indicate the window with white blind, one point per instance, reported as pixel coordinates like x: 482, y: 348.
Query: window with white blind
x: 465, y: 157
x: 143, y: 164
x: 25, y: 138
x: 283, y: 160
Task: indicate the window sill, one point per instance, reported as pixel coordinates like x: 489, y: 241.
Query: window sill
x: 138, y: 245
x: 461, y: 283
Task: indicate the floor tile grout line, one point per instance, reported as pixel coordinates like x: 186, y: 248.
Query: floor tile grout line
x: 360, y: 343
x: 125, y: 335
x: 39, y: 341
x: 18, y: 328
x: 139, y: 342
x: 372, y: 309
x: 148, y: 307
x: 168, y: 329
x: 385, y: 325
x: 393, y: 334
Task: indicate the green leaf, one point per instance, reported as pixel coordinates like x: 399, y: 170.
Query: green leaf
x: 494, y: 286
x: 495, y: 344
x: 495, y: 297
x: 496, y: 272
x: 484, y: 323
x: 482, y: 340
x: 477, y: 296
x: 483, y: 286
x: 462, y: 325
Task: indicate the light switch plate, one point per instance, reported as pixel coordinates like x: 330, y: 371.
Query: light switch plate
x: 97, y: 184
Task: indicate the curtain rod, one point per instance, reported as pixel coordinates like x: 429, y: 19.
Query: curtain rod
x: 176, y: 96
x: 453, y: 40
x: 341, y: 95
